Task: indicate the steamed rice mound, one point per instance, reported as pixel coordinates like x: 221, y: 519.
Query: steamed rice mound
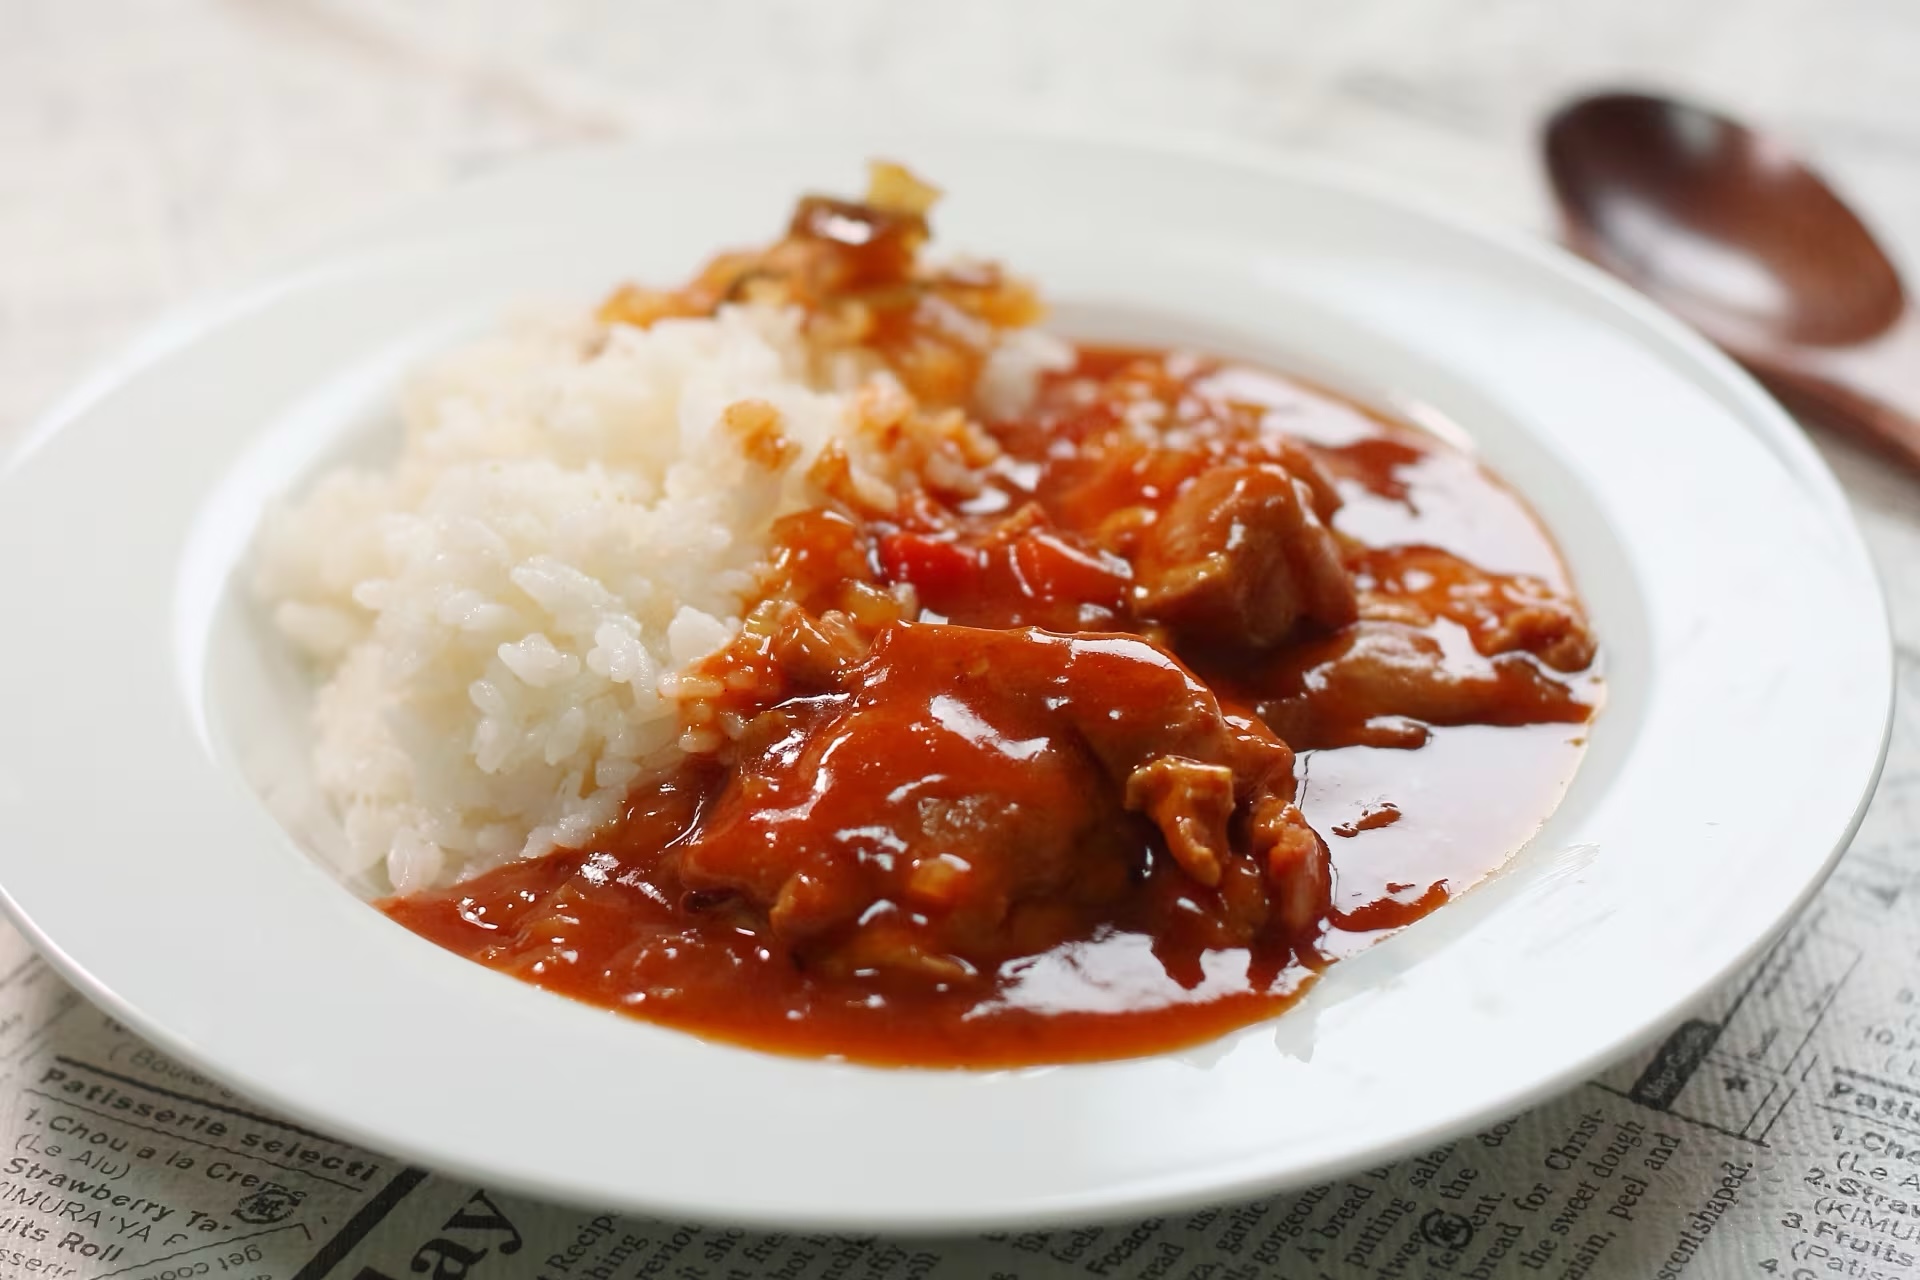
x: 569, y: 521
x: 502, y: 618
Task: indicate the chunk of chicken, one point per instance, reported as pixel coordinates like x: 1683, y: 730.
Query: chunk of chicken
x: 1380, y: 684
x: 952, y: 805
x: 1191, y: 803
x: 1503, y: 613
x: 1240, y: 558
x: 1296, y: 863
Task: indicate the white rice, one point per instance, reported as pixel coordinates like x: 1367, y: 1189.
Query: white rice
x: 568, y: 525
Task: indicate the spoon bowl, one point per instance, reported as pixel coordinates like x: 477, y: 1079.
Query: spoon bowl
x: 1728, y: 229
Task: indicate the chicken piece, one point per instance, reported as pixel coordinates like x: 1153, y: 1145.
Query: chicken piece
x: 1240, y: 558
x: 1503, y: 613
x: 1191, y: 803
x: 813, y: 653
x: 1381, y: 683
x: 1304, y: 465
x: 1296, y: 863
x: 954, y: 804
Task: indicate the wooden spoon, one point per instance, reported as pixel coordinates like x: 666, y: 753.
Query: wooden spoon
x: 1726, y: 228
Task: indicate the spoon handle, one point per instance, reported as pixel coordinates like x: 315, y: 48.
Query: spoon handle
x: 1870, y: 393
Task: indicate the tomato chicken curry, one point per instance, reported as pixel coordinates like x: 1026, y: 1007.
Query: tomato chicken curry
x: 1091, y: 732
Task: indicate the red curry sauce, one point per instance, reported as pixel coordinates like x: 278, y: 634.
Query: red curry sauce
x: 1061, y: 804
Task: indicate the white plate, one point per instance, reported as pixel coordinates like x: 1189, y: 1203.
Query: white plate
x: 1749, y: 673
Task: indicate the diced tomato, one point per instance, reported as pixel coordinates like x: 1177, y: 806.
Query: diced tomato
x: 1051, y: 568
x: 939, y: 568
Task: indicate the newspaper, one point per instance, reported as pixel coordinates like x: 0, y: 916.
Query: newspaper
x: 1774, y: 1133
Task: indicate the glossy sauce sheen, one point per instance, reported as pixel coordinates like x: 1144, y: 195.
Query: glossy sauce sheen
x: 1052, y: 925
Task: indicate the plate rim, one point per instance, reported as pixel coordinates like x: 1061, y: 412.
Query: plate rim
x: 1758, y: 413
